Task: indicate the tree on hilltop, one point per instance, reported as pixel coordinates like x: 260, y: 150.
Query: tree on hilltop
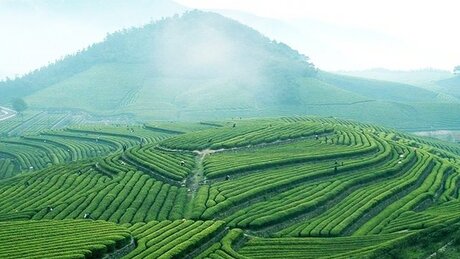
x: 19, y: 105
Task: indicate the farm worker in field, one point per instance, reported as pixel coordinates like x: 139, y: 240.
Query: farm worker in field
x: 234, y: 125
x: 182, y: 163
x: 227, y: 177
x: 316, y: 137
x: 335, y: 169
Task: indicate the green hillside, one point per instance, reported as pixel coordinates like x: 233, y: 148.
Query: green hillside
x: 425, y: 78
x: 203, y: 66
x: 174, y: 50
x: 451, y: 86
x: 290, y: 187
x: 380, y: 90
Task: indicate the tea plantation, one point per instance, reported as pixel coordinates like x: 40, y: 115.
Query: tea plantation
x: 293, y: 187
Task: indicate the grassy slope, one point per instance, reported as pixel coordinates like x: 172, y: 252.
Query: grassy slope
x: 127, y: 89
x: 136, y: 72
x: 100, y: 88
x: 381, y: 90
x: 422, y: 78
x: 450, y: 86
x: 122, y: 88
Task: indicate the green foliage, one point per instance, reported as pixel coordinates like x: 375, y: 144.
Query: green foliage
x: 292, y: 187
x: 423, y: 243
x: 236, y: 134
x: 35, y: 152
x: 342, y: 247
x: 172, y: 239
x: 19, y: 105
x: 224, y: 248
x: 59, y: 239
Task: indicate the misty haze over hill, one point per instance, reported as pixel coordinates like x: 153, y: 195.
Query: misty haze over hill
x: 197, y: 53
x: 51, y: 29
x: 208, y: 66
x: 204, y: 66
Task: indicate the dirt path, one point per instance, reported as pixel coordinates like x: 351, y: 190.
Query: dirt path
x: 193, y: 181
x: 195, y: 178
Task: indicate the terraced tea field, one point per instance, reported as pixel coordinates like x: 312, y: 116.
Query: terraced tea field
x: 295, y: 187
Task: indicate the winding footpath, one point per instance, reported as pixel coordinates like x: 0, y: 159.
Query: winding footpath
x: 6, y: 113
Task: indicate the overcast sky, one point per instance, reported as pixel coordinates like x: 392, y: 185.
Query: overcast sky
x: 416, y: 33
x: 335, y: 34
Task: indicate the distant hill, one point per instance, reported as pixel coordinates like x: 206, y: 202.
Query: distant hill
x: 379, y: 90
x: 421, y: 77
x: 202, y: 65
x: 450, y: 86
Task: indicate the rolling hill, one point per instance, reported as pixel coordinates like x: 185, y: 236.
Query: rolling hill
x: 422, y: 77
x: 450, y: 85
x: 202, y: 65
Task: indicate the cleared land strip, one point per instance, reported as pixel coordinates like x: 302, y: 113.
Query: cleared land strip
x: 6, y: 113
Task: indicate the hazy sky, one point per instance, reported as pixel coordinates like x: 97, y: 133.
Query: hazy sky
x: 36, y: 32
x: 410, y: 34
x: 336, y: 34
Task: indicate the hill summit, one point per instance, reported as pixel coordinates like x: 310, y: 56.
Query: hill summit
x: 198, y: 59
